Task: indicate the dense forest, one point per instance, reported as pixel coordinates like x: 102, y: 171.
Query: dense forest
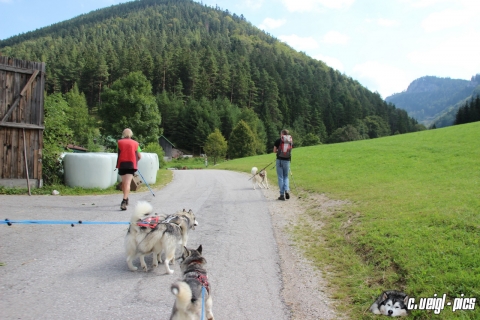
x: 205, y: 68
x: 469, y: 112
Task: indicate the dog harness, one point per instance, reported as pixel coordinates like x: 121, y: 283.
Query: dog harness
x: 150, y: 222
x: 169, y: 218
x: 202, y: 278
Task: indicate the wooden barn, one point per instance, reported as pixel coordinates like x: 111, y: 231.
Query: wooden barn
x: 169, y: 149
x: 22, y: 85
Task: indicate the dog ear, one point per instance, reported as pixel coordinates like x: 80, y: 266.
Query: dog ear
x: 199, y: 249
x: 184, y: 210
x: 405, y: 300
x: 384, y: 296
x: 186, y: 252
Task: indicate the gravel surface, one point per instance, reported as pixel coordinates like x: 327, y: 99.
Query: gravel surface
x: 304, y: 289
x: 64, y: 272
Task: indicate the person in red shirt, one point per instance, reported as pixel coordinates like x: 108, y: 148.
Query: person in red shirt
x: 129, y: 153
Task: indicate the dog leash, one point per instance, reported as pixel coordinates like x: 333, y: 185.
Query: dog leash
x: 145, y: 182
x: 70, y: 222
x: 203, y: 302
x: 268, y: 165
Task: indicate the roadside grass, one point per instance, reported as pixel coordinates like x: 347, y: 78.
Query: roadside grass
x: 163, y: 178
x: 412, y: 222
x: 190, y: 163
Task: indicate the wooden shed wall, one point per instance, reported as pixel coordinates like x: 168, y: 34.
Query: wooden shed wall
x: 22, y: 85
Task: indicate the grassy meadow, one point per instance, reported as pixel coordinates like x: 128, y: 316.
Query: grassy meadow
x: 412, y: 222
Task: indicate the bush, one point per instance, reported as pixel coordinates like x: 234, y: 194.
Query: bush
x: 56, y: 136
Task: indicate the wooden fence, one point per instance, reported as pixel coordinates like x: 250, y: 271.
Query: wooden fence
x: 22, y: 85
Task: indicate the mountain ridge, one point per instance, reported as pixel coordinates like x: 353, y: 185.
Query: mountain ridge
x: 428, y: 98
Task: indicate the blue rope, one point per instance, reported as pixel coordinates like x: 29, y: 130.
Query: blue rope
x: 71, y: 222
x: 145, y: 182
x: 203, y: 302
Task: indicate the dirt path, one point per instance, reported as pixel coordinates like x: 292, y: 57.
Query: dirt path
x: 304, y: 289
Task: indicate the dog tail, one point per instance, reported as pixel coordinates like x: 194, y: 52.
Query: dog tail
x: 254, y: 170
x: 142, y: 209
x: 182, y: 291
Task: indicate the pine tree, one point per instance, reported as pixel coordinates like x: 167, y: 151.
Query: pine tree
x: 79, y: 121
x: 215, y: 146
x: 242, y: 141
x: 129, y: 103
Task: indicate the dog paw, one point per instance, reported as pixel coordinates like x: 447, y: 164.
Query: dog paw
x: 169, y: 271
x: 133, y: 268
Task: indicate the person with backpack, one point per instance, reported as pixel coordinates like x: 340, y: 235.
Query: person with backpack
x: 283, y: 148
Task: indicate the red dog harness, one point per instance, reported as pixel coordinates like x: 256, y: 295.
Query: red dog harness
x: 203, y: 279
x: 150, y: 222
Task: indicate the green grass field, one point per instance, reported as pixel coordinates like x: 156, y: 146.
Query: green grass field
x: 412, y: 222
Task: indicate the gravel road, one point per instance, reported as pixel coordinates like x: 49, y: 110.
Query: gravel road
x: 64, y: 272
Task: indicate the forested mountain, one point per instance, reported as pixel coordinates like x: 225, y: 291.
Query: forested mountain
x: 432, y: 100
x: 208, y: 68
x: 469, y: 112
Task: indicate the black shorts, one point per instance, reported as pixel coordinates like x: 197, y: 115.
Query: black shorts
x: 126, y: 171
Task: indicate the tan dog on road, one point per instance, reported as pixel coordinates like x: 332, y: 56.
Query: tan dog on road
x: 259, y: 178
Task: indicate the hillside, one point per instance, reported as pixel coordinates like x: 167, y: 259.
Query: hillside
x: 433, y: 100
x: 205, y: 66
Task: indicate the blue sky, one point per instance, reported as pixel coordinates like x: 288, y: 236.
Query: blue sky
x: 384, y: 44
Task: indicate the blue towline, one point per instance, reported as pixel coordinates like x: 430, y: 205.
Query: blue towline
x: 70, y: 222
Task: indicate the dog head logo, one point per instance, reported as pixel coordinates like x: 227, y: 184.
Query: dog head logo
x: 391, y: 303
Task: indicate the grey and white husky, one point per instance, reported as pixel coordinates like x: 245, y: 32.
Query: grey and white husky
x: 163, y: 237
x: 188, y: 291
x: 391, y: 303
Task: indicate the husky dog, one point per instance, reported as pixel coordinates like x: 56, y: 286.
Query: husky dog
x: 391, y: 303
x: 156, y: 238
x: 259, y: 179
x: 188, y: 292
x: 185, y: 220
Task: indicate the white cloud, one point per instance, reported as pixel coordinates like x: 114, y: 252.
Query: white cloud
x: 331, y: 62
x: 299, y: 43
x: 457, y: 54
x: 446, y: 19
x: 310, y: 5
x: 270, y: 23
x: 253, y: 4
x: 384, y: 78
x: 335, y: 37
x: 424, y: 3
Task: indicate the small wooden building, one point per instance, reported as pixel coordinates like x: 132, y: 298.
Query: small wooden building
x: 22, y: 85
x: 169, y: 149
x: 167, y: 146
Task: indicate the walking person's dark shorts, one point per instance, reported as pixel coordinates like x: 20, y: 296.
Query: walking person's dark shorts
x: 126, y: 171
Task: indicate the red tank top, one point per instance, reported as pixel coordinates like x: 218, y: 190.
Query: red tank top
x: 127, y: 154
